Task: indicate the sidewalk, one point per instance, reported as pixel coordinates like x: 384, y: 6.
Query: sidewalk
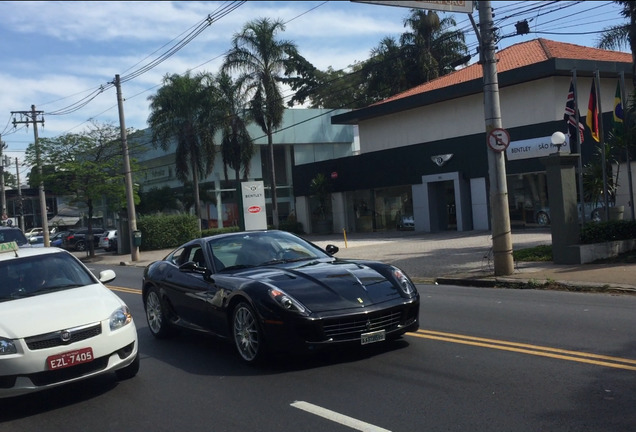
x: 451, y: 258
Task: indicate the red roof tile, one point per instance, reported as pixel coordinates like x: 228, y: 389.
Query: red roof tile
x: 517, y: 56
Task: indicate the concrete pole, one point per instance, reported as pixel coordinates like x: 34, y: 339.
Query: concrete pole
x: 17, y: 174
x: 130, y: 199
x: 3, y: 210
x: 43, y: 212
x: 500, y: 215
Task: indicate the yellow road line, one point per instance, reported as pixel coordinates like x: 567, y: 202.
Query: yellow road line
x: 542, y: 351
x: 124, y: 289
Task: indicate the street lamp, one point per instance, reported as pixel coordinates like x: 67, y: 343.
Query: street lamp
x: 558, y: 139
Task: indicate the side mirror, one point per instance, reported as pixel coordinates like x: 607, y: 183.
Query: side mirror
x: 332, y: 249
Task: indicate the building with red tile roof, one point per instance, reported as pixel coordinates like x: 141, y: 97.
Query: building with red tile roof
x: 423, y: 152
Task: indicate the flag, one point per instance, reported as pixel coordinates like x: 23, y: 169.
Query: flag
x: 592, y: 114
x: 617, y: 116
x: 570, y: 118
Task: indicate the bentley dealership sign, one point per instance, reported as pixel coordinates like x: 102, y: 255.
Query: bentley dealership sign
x: 254, y: 212
x: 534, y: 148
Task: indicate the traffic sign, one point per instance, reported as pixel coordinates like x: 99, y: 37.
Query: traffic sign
x: 498, y: 140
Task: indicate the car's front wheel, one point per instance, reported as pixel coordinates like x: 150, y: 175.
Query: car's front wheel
x: 157, y: 319
x: 543, y: 218
x: 248, y: 337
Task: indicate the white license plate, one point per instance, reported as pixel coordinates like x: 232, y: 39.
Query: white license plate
x: 70, y: 358
x: 376, y: 336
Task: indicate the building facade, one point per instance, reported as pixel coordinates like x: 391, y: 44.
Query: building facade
x: 423, y: 153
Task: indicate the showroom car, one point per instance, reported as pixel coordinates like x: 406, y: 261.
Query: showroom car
x: 58, y: 322
x: 272, y: 291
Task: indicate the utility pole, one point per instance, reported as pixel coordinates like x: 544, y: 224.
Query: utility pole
x: 36, y: 117
x: 21, y: 212
x: 500, y: 214
x: 130, y: 199
x: 3, y: 210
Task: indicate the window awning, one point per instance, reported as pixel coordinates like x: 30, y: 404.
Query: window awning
x: 64, y: 220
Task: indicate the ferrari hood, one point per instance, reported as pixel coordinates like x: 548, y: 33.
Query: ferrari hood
x: 58, y: 310
x: 328, y: 286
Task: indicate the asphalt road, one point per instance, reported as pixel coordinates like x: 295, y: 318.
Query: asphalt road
x: 483, y: 360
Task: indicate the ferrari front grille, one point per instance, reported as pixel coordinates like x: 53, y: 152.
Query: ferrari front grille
x: 353, y: 326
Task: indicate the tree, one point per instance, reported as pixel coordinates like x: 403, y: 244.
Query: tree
x: 622, y: 35
x: 261, y: 60
x: 87, y: 167
x: 237, y: 146
x: 431, y: 46
x: 183, y: 111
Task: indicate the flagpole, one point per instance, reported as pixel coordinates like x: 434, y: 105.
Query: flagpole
x: 578, y: 148
x: 601, y: 140
x: 626, y: 131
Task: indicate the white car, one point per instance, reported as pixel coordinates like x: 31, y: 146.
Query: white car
x: 108, y: 240
x: 58, y: 322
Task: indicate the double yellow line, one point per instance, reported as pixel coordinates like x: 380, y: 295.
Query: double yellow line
x: 537, y: 350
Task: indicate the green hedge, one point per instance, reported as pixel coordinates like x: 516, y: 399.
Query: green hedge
x: 166, y: 231
x: 599, y: 232
x: 170, y: 231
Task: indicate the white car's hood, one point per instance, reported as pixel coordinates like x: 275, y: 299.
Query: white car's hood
x: 59, y: 310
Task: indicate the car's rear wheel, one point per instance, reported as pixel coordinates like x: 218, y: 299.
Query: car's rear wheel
x: 129, y: 371
x: 157, y: 319
x: 248, y: 336
x: 80, y: 246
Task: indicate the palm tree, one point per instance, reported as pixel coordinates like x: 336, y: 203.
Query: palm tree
x: 432, y: 44
x: 183, y: 110
x: 619, y: 36
x: 237, y: 146
x: 262, y: 60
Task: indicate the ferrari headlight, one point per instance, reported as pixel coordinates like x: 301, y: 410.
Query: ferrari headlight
x: 7, y: 346
x: 404, y: 282
x: 286, y: 301
x: 120, y: 318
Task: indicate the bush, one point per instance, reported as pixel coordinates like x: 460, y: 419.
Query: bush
x: 600, y: 232
x: 214, y: 231
x: 166, y: 231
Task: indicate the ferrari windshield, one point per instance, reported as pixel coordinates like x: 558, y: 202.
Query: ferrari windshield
x: 251, y: 249
x: 35, y: 275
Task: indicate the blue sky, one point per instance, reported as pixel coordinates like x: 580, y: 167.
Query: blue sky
x: 54, y: 55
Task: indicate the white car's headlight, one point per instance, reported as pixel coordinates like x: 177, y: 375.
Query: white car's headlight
x: 403, y: 280
x: 286, y: 301
x: 7, y: 346
x: 120, y: 318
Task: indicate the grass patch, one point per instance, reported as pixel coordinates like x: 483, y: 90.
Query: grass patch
x: 537, y: 253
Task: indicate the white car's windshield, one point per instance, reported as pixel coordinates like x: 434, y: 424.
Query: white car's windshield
x: 29, y: 276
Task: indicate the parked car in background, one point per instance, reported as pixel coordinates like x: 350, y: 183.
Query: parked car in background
x: 36, y: 241
x: 108, y: 240
x: 59, y: 323
x: 33, y: 232
x: 593, y: 213
x: 76, y: 240
x: 58, y: 238
x: 10, y: 234
x: 268, y: 291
